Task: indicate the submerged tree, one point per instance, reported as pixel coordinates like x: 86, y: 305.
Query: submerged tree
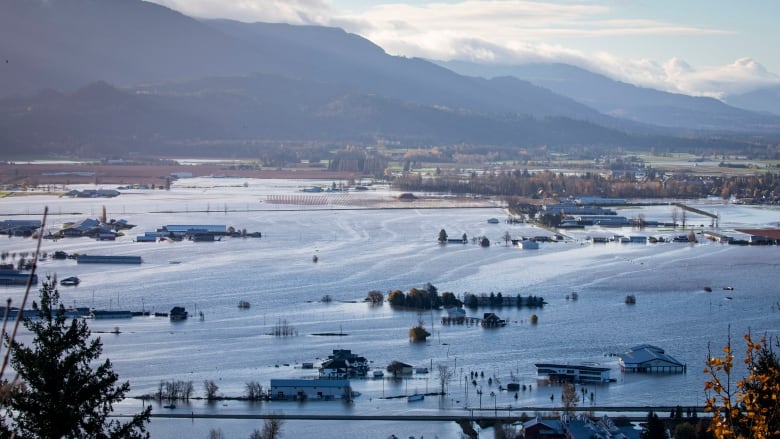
x: 569, y: 398
x: 445, y: 375
x: 418, y: 333
x: 210, y: 388
x: 61, y: 395
x: 272, y: 429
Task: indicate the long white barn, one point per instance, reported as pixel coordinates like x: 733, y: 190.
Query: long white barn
x: 302, y: 389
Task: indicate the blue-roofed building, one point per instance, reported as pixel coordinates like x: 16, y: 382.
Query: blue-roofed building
x: 647, y: 358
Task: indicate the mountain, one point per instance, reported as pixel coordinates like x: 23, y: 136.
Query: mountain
x: 229, y: 114
x: 66, y: 44
x: 83, y: 74
x: 130, y: 42
x: 765, y: 99
x: 627, y: 101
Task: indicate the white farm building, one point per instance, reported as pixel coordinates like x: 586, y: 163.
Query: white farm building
x: 299, y: 390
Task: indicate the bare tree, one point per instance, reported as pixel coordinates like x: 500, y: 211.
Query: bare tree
x: 375, y: 297
x: 445, y: 374
x: 254, y: 391
x: 272, y: 429
x: 173, y: 390
x: 569, y: 398
x: 210, y: 388
x: 675, y: 215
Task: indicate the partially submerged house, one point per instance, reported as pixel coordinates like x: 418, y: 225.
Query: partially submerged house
x: 491, y: 320
x: 19, y: 227
x: 647, y: 358
x: 399, y: 368
x: 343, y: 364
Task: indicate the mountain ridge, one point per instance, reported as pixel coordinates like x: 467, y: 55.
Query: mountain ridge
x: 141, y: 72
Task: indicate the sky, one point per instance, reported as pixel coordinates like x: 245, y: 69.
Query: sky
x: 698, y: 47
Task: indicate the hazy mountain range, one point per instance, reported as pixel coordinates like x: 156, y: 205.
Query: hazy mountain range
x: 77, y: 75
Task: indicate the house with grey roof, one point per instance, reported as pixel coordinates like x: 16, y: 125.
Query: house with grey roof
x: 647, y: 358
x: 84, y: 227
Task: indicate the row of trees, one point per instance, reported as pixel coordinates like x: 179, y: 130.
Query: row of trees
x: 428, y: 298
x: 423, y: 298
x: 499, y: 300
x: 521, y: 183
x: 177, y: 390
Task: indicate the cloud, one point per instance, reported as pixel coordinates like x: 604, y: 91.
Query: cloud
x: 742, y: 75
x: 270, y: 11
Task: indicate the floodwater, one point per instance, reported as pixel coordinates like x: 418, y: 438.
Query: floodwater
x: 360, y: 250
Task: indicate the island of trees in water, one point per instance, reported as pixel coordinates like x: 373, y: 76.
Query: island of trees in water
x: 428, y: 297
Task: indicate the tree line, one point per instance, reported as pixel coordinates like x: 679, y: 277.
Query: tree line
x: 759, y: 188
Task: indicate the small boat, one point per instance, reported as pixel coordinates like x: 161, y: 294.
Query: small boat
x: 169, y: 406
x: 243, y: 304
x: 421, y: 370
x: 315, y: 259
x: 378, y: 374
x: 415, y: 397
x: 708, y: 289
x: 70, y: 281
x: 728, y: 288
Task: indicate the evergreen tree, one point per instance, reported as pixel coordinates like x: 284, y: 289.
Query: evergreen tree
x: 60, y: 395
x: 653, y: 428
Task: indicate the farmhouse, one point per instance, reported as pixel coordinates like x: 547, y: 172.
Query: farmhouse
x: 342, y: 364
